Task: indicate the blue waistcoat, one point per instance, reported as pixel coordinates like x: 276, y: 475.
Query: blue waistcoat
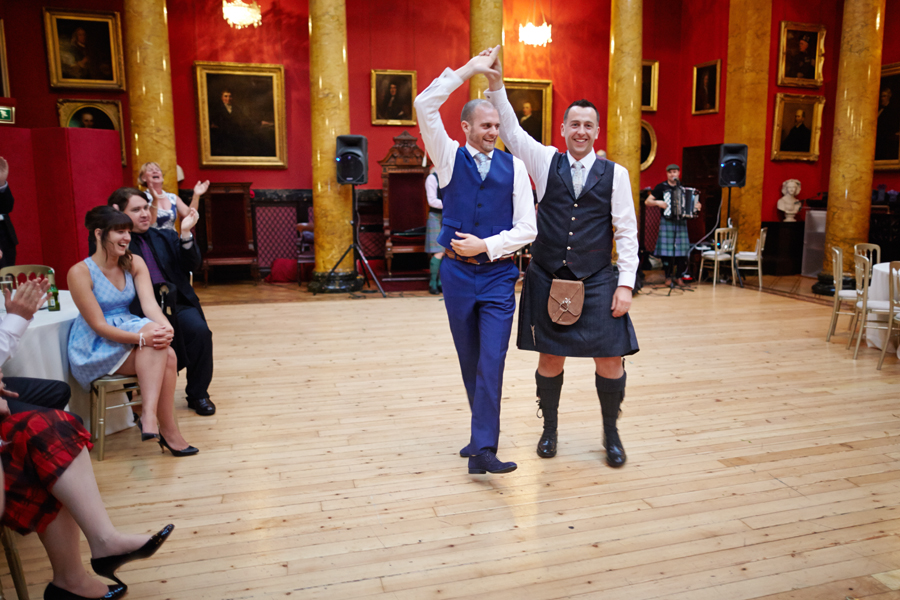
x: 575, y: 232
x: 482, y: 208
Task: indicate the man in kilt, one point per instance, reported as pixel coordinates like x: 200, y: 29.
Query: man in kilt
x: 488, y: 214
x: 672, y: 244
x: 585, y: 203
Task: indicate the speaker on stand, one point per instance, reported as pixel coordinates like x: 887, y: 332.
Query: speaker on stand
x: 732, y: 169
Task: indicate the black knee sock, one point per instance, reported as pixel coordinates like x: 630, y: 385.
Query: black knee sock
x: 611, y: 393
x: 548, y: 392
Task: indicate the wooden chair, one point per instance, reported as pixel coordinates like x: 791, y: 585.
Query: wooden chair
x: 870, y: 251
x: 841, y: 296
x: 404, y: 204
x: 100, y: 389
x: 893, y: 311
x: 723, y: 251
x: 229, y: 228
x: 16, y: 273
x: 15, y: 564
x: 754, y: 258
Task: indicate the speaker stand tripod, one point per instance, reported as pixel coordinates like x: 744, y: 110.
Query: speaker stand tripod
x: 357, y: 251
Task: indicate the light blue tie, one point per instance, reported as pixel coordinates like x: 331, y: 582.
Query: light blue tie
x: 484, y: 164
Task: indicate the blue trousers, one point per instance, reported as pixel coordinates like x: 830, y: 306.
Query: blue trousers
x: 480, y: 301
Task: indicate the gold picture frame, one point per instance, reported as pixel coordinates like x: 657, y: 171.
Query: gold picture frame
x: 92, y: 114
x: 797, y: 127
x: 648, y: 145
x: 649, y: 85
x: 241, y: 115
x: 392, y: 98
x: 801, y: 54
x: 84, y: 49
x: 887, y: 128
x: 4, y: 69
x: 534, y: 96
x: 705, y: 98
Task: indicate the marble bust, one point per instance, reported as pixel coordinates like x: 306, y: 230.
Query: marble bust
x: 788, y: 203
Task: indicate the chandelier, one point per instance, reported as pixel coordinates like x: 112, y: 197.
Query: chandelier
x: 535, y: 35
x: 240, y: 14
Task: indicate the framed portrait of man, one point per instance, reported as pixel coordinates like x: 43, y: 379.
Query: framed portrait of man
x: 797, y: 127
x: 4, y: 69
x: 649, y: 84
x: 648, y: 145
x: 706, y: 88
x: 392, y: 97
x: 887, y: 130
x: 84, y: 49
x: 240, y: 108
x: 801, y: 54
x: 531, y: 99
x: 92, y: 114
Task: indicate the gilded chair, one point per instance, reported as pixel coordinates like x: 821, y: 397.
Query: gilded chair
x: 723, y: 251
x: 753, y: 258
x: 870, y: 251
x: 21, y: 273
x: 864, y: 306
x: 841, y: 296
x: 893, y: 307
x: 101, y: 388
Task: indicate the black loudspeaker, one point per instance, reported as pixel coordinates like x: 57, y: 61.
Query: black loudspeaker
x: 733, y: 165
x: 352, y: 160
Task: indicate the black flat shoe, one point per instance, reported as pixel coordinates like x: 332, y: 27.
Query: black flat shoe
x: 488, y: 462
x: 615, y: 453
x: 108, y: 565
x: 189, y: 451
x: 53, y: 592
x: 202, y: 406
x: 546, y: 447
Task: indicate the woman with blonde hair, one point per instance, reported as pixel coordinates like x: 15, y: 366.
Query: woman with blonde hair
x: 106, y: 338
x: 165, y: 205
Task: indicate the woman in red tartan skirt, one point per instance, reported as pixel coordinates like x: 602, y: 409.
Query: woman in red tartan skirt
x: 50, y: 488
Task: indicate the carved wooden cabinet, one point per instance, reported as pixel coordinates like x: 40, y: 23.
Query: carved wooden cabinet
x: 404, y: 205
x: 228, y: 226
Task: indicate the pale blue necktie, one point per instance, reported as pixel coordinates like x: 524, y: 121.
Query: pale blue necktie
x: 484, y: 164
x: 577, y: 178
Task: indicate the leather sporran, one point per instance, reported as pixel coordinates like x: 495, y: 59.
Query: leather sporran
x: 565, y: 302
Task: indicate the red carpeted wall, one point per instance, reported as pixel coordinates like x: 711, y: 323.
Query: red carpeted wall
x: 76, y: 170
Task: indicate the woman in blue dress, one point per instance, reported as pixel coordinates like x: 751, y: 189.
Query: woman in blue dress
x: 165, y: 205
x: 107, y: 339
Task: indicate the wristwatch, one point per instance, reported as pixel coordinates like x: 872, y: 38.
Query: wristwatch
x: 190, y: 239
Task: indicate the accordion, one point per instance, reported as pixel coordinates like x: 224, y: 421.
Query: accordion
x: 682, y: 204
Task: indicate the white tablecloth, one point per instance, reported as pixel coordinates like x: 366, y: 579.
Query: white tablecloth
x: 42, y: 353
x: 879, y: 289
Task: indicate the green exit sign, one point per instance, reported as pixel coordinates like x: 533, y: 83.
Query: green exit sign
x: 7, y: 114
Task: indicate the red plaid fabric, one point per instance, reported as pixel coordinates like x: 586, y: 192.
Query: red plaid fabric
x: 38, y: 447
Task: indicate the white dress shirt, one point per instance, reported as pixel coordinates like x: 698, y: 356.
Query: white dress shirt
x: 537, y: 159
x: 12, y: 328
x: 443, y: 154
x: 431, y: 190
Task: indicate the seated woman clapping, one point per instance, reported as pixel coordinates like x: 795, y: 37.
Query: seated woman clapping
x: 107, y: 339
x: 50, y: 488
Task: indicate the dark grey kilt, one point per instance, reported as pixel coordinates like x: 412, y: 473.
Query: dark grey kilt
x: 596, y: 334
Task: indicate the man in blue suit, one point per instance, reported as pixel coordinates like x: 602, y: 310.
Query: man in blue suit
x: 488, y: 214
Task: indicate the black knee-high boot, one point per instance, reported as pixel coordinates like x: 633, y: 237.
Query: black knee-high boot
x: 611, y: 393
x: 548, y: 391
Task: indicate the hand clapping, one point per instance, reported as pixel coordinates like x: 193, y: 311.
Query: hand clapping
x: 190, y: 220
x: 201, y: 187
x: 29, y: 298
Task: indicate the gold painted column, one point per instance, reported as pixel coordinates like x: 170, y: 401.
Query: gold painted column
x: 623, y: 113
x: 856, y: 114
x: 330, y: 106
x: 485, y: 31
x: 746, y: 99
x: 149, y: 82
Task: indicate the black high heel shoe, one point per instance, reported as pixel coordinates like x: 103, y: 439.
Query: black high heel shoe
x: 53, y: 592
x: 189, y: 451
x: 144, y: 436
x: 108, y: 565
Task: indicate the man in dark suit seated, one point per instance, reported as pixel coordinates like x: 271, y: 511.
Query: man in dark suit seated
x: 170, y: 260
x: 8, y: 239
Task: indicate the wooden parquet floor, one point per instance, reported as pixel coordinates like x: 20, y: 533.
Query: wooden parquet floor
x: 763, y: 463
